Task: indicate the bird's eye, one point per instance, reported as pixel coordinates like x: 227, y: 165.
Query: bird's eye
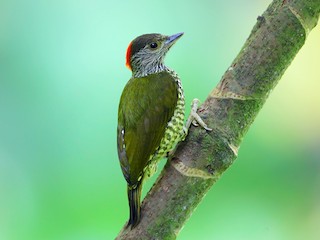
x: 153, y: 45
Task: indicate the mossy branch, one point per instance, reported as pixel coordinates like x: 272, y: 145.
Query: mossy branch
x: 229, y: 109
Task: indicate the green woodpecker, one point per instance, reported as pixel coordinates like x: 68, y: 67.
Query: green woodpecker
x: 150, y: 115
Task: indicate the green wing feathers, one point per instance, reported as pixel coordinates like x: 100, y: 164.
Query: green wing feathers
x: 146, y: 106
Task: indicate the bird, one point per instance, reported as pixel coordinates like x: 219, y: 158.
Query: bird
x: 150, y: 115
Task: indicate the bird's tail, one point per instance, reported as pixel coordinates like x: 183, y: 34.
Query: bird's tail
x: 134, y: 196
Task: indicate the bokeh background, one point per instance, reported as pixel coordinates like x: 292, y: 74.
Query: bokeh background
x: 61, y: 75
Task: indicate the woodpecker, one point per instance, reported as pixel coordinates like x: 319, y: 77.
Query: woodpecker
x: 150, y: 115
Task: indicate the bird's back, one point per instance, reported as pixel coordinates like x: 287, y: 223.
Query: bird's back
x: 146, y: 107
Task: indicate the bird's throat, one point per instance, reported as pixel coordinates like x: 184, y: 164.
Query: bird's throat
x: 142, y: 71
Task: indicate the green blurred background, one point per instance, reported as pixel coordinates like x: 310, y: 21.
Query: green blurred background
x: 61, y: 75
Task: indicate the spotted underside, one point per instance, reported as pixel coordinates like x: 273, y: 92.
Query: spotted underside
x: 150, y: 122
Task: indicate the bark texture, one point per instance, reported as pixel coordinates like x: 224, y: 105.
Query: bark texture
x: 229, y: 109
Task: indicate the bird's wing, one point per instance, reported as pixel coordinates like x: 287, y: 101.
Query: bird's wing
x: 146, y: 106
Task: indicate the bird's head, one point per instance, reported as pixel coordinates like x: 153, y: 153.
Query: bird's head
x: 146, y: 53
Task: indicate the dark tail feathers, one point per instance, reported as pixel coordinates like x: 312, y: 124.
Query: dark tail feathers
x: 134, y: 196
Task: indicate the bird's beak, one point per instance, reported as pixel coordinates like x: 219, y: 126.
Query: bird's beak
x: 172, y: 39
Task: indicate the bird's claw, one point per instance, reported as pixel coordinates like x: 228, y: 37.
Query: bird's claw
x: 194, y: 118
x: 194, y: 123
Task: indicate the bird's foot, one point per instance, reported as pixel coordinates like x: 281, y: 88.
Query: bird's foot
x: 194, y: 119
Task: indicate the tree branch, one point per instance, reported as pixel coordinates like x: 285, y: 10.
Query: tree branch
x: 229, y: 109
